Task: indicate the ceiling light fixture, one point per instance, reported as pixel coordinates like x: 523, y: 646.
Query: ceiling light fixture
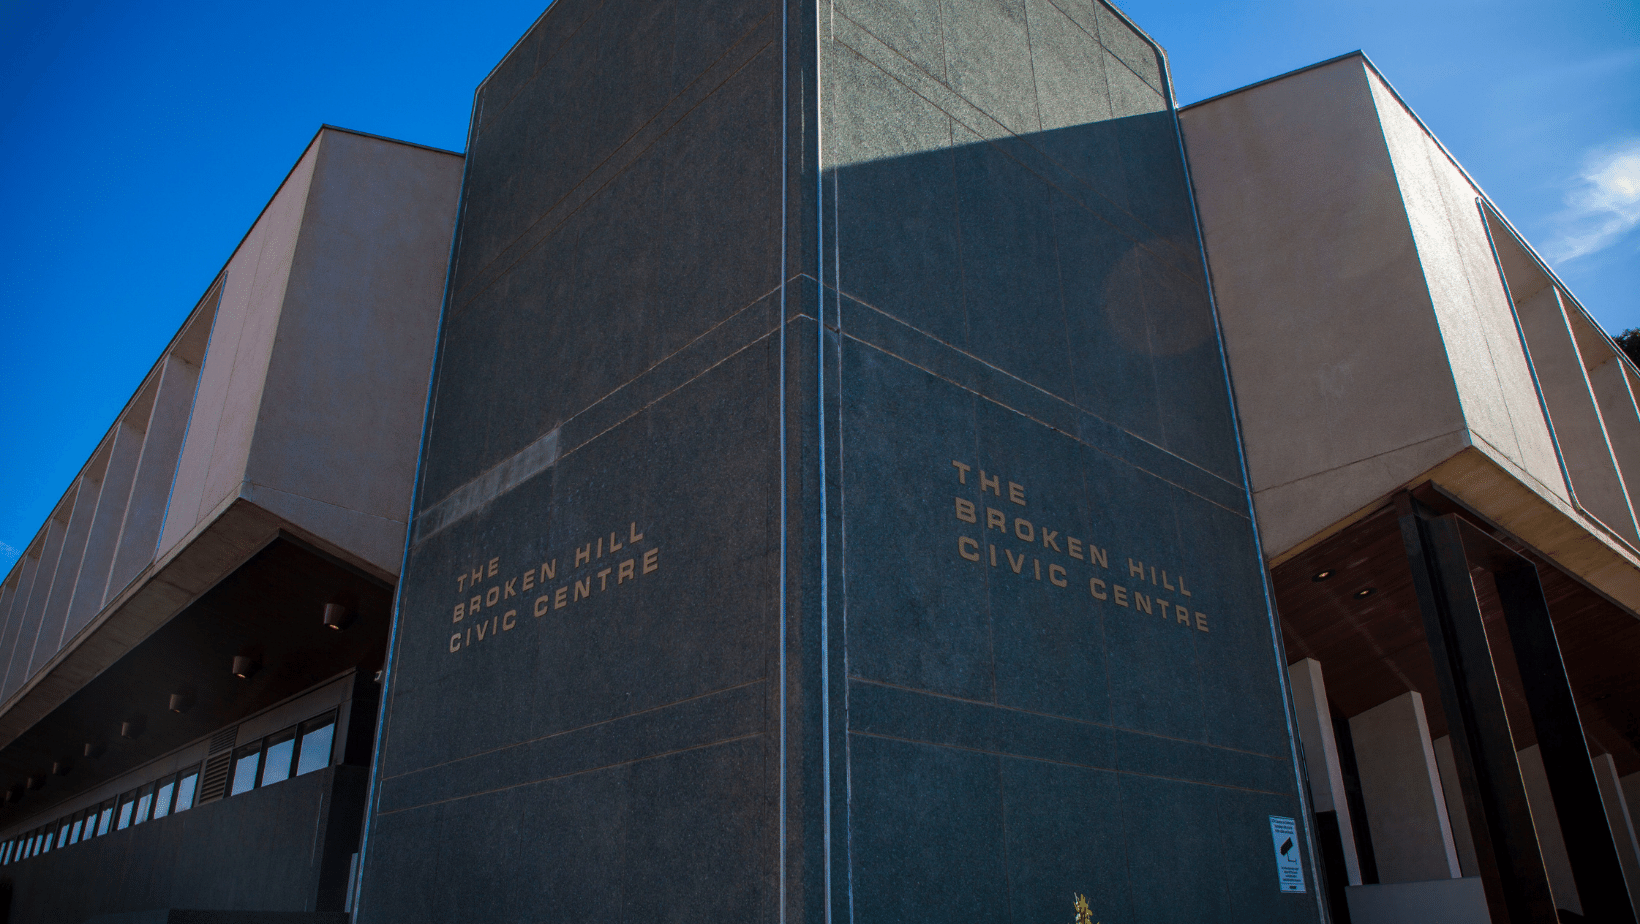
x: 1321, y: 575
x: 1365, y: 592
x: 337, y: 616
x: 244, y: 666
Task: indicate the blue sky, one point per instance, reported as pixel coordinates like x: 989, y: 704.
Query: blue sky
x: 139, y: 141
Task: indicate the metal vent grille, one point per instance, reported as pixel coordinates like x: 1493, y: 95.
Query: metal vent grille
x: 215, y: 781
x: 223, y: 740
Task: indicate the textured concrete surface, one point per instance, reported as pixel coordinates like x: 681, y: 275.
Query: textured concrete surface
x: 1401, y: 784
x: 892, y: 551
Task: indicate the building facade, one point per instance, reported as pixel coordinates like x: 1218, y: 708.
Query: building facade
x: 879, y: 463
x: 193, y: 637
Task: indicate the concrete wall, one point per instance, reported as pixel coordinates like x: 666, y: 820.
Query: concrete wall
x: 1336, y: 354
x: 297, y: 384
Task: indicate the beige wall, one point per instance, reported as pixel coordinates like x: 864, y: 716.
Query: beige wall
x: 1336, y: 354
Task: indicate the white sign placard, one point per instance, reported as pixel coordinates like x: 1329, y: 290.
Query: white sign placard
x: 1289, y: 871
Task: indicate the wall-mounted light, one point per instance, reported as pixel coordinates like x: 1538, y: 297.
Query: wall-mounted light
x: 35, y: 781
x: 1365, y: 592
x: 181, y: 702
x: 133, y: 727
x: 1322, y: 575
x: 61, y: 768
x: 244, y: 666
x: 13, y: 795
x: 93, y: 749
x: 337, y: 616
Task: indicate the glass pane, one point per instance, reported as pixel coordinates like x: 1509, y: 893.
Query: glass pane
x: 62, y: 833
x: 185, y: 792
x: 105, y: 819
x: 144, y: 803
x: 162, y: 799
x: 316, y: 749
x: 244, y: 772
x: 45, y: 842
x: 126, y: 804
x: 74, y: 835
x: 276, y: 765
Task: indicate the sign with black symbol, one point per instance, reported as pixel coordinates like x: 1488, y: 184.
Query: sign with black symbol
x: 1289, y: 871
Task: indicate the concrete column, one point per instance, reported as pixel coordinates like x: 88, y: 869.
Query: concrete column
x: 1406, y: 809
x: 1614, y: 391
x: 28, y: 566
x: 18, y: 672
x: 1321, y: 757
x: 1621, y: 822
x: 1452, y: 788
x: 68, y: 566
x: 1575, y: 413
x: 105, y: 525
x: 1551, y: 839
x: 151, y: 490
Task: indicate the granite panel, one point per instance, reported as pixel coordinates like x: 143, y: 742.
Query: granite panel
x: 927, y: 834
x: 673, y: 246
x: 957, y: 590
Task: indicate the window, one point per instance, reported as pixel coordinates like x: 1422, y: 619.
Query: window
x: 280, y: 752
x: 105, y: 818
x: 127, y: 803
x: 185, y: 790
x: 46, y: 839
x: 162, y: 797
x: 317, y: 736
x: 63, y: 827
x: 74, y: 835
x: 5, y: 854
x: 246, y: 761
x: 145, y: 804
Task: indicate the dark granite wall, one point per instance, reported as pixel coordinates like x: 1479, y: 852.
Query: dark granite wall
x: 282, y: 848
x: 786, y: 679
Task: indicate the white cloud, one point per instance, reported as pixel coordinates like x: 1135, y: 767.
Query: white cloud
x: 1604, y: 203
x: 7, y: 556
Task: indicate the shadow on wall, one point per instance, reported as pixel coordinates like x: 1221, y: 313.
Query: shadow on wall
x: 1067, y: 258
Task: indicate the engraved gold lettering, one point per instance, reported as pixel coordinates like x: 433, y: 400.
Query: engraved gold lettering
x: 993, y: 556
x: 1016, y: 494
x: 542, y: 604
x: 482, y: 628
x: 549, y: 570
x: 583, y: 555
x: 529, y: 580
x: 509, y: 619
x: 1059, y: 580
x: 495, y: 567
x: 614, y: 544
x: 1136, y: 568
x: 1183, y: 591
x: 478, y: 575
x: 558, y: 600
x: 460, y: 610
x: 632, y: 534
x: 994, y: 485
x: 461, y: 585
x: 474, y: 605
x: 603, y: 578
x: 1016, y: 564
x: 651, y: 560
x: 1182, y: 613
x: 1094, y: 585
x: 965, y: 511
x: 1120, y: 593
x: 1024, y: 530
x: 600, y: 546
x: 1095, y: 553
x: 625, y: 573
x: 583, y: 589
x: 962, y: 471
x: 995, y: 520
x: 1036, y: 564
x: 968, y: 548
x: 491, y: 596
x: 1164, y: 581
x: 508, y: 590
x: 1185, y: 620
x: 455, y: 643
x: 1048, y: 537
x: 1073, y: 547
x: 1201, y: 622
x: 1142, y: 602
